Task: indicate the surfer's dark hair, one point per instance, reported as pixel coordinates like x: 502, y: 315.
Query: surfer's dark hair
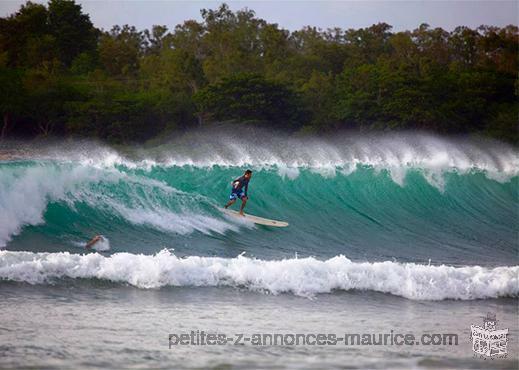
x: 248, y: 171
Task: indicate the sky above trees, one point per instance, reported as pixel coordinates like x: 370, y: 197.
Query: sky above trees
x: 293, y: 15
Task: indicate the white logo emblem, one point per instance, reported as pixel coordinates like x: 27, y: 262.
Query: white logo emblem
x: 486, y: 340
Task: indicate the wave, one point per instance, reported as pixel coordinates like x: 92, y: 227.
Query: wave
x: 27, y: 189
x: 303, y: 277
x: 241, y: 146
x: 412, y: 197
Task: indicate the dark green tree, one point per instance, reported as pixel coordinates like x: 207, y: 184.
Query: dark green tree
x: 12, y: 96
x: 25, y: 37
x: 62, y: 76
x: 251, y: 97
x: 120, y: 50
x: 72, y: 30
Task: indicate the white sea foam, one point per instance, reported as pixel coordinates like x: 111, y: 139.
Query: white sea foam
x: 248, y: 147
x: 102, y: 245
x: 303, y: 277
x: 396, y: 153
x: 181, y: 223
x: 26, y: 191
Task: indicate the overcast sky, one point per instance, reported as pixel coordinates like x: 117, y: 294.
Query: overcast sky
x: 402, y: 15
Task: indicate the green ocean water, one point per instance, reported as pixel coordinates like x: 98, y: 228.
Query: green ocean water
x: 399, y: 200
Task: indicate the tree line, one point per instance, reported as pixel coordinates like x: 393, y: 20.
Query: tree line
x: 60, y: 75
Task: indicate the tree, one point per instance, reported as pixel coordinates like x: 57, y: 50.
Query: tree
x: 117, y: 116
x: 155, y: 40
x: 251, y: 97
x: 48, y: 93
x: 25, y: 36
x: 504, y: 124
x: 62, y: 76
x: 120, y: 50
x: 319, y: 96
x: 11, y: 97
x: 367, y: 44
x: 73, y: 31
x: 231, y: 42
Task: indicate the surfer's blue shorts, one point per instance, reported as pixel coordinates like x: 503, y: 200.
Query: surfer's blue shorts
x: 236, y: 194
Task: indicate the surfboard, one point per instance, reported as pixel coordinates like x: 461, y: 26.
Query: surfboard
x: 255, y: 219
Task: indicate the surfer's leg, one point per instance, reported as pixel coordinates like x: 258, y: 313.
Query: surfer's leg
x: 232, y: 199
x: 243, y: 202
x: 230, y: 203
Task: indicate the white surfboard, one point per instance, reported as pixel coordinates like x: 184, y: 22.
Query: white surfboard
x: 255, y: 219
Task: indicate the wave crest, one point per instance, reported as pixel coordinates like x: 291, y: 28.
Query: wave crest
x: 303, y: 277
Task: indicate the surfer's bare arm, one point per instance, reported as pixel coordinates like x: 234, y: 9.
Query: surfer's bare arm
x: 94, y: 240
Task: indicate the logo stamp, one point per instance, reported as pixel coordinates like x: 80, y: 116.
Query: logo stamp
x: 487, y: 341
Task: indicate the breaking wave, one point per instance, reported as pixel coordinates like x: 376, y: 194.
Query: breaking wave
x: 303, y: 277
x: 402, y: 197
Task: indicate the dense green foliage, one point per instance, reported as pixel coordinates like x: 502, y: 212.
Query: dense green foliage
x: 62, y: 76
x: 251, y: 97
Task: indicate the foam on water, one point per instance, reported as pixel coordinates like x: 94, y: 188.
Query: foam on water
x: 303, y: 277
x: 26, y: 191
x: 102, y: 245
x: 248, y: 147
x: 181, y: 223
x: 336, y: 191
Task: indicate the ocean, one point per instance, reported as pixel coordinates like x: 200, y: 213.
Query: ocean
x: 404, y: 233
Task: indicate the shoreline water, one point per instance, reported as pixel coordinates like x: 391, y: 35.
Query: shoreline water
x: 91, y: 326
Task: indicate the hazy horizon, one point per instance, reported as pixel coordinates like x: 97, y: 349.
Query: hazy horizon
x: 293, y: 15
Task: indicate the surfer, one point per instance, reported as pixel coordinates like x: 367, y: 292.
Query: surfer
x: 94, y: 240
x: 239, y: 190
